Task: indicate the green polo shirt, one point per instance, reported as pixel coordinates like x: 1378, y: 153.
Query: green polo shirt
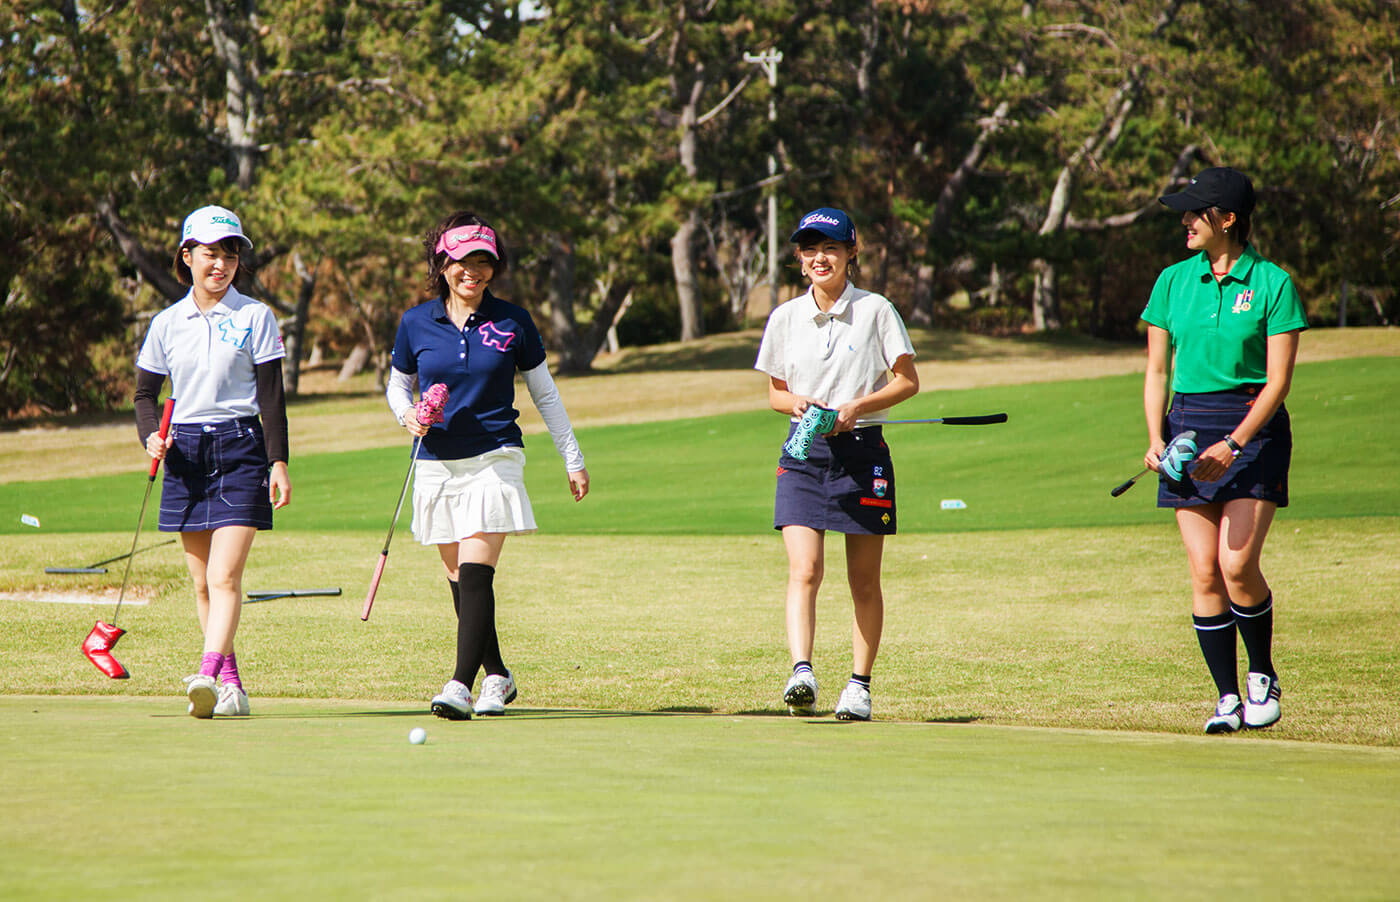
x: 1220, y: 330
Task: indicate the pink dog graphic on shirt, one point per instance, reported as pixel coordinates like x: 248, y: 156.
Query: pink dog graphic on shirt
x: 492, y: 337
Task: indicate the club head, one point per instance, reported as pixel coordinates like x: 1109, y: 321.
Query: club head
x: 97, y: 647
x: 1180, y: 452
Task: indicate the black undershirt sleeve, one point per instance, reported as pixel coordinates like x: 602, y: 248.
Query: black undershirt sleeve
x: 273, y: 405
x: 148, y: 385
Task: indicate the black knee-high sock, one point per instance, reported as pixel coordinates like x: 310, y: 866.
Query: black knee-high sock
x: 1256, y: 626
x: 1217, y: 637
x: 476, y: 612
x: 491, y: 661
x: 456, y: 598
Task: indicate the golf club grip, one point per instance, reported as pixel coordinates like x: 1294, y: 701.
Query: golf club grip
x: 374, y: 584
x: 164, y: 431
x: 984, y: 420
x: 1123, y: 488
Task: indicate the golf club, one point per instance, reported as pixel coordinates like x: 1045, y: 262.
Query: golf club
x: 1179, y: 452
x: 427, y: 411
x: 255, y: 597
x: 98, y: 568
x: 821, y: 420
x: 103, y: 636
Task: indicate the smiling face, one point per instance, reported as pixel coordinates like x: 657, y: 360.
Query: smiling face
x: 1205, y: 232
x: 824, y: 261
x: 467, y: 278
x: 212, y: 266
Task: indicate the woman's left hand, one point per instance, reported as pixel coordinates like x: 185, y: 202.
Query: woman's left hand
x: 578, y: 483
x: 279, y: 485
x: 1212, y: 463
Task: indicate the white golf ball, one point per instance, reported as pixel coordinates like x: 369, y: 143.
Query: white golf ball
x: 417, y: 735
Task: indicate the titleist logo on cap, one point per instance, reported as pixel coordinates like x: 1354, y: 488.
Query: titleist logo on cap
x: 820, y: 217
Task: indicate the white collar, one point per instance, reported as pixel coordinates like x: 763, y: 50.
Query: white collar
x: 838, y: 309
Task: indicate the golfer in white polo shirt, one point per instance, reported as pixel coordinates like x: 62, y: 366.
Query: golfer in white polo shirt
x: 226, y: 453
x: 843, y: 348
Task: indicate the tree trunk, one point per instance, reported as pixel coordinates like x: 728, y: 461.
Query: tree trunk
x: 683, y: 264
x: 235, y: 44
x: 573, y: 357
x: 355, y: 362
x: 295, y: 336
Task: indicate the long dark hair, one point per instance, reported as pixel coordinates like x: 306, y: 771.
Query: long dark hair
x: 437, y: 262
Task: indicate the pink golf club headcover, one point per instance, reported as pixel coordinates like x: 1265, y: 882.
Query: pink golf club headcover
x: 428, y: 410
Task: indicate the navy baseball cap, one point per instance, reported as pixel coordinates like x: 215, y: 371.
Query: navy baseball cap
x: 1223, y: 187
x: 828, y: 221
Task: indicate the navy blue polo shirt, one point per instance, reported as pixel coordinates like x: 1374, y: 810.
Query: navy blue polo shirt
x: 477, y: 364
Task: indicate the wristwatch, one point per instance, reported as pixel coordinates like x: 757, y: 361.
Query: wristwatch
x: 1234, y: 446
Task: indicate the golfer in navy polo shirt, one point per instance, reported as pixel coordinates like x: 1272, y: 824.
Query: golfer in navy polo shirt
x: 843, y: 348
x: 469, y: 479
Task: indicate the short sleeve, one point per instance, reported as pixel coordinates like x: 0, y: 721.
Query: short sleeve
x: 1158, y: 308
x: 1286, y: 310
x: 267, y: 338
x: 152, y: 356
x: 894, y: 337
x: 531, y: 352
x: 772, y: 357
x: 404, y: 360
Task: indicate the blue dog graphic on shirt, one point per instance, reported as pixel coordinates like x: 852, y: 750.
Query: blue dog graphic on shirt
x: 234, y: 335
x: 492, y: 337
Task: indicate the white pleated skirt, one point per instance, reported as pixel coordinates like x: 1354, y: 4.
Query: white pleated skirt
x: 454, y: 499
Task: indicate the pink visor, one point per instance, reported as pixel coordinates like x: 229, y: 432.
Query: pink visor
x: 457, y: 243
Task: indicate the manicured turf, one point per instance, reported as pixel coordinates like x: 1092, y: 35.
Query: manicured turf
x: 327, y: 799
x: 1039, y: 693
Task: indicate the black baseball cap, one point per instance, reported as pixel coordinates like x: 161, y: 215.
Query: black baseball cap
x: 1223, y: 187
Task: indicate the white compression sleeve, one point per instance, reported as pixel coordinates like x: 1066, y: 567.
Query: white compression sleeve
x: 546, y: 397
x: 399, y: 392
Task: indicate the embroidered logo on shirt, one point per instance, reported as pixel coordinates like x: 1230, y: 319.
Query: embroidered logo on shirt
x: 492, y: 337
x: 238, y: 337
x: 1242, y: 301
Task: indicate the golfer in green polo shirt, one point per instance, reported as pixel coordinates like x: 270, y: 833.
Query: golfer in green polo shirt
x: 1224, y: 324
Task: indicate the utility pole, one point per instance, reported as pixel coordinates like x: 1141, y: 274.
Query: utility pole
x: 769, y: 60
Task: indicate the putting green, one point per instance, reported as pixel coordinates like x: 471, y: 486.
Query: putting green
x: 327, y: 799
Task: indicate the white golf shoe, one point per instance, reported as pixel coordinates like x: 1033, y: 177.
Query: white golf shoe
x: 854, y: 703
x: 202, y: 695
x: 1261, y: 703
x: 1229, y: 715
x: 800, y: 695
x: 454, y: 702
x: 496, y: 693
x: 233, y: 702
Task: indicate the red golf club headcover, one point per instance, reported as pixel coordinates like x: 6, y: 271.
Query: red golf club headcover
x: 98, y: 648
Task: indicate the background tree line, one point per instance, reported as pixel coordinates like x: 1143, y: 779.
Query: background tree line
x: 1002, y: 159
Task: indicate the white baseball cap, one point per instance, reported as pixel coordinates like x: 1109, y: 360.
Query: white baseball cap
x: 210, y: 225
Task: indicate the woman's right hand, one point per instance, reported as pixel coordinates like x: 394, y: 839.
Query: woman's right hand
x: 157, y: 446
x: 1153, y: 458
x: 410, y: 422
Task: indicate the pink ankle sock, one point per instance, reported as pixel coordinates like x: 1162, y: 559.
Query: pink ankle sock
x: 228, y: 673
x: 211, y: 663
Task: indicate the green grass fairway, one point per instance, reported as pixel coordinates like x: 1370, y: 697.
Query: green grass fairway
x: 322, y: 799
x: 1052, y: 464
x: 1039, y: 693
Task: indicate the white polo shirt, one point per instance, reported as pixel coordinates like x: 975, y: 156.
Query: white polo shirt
x: 209, y: 357
x: 837, y: 356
